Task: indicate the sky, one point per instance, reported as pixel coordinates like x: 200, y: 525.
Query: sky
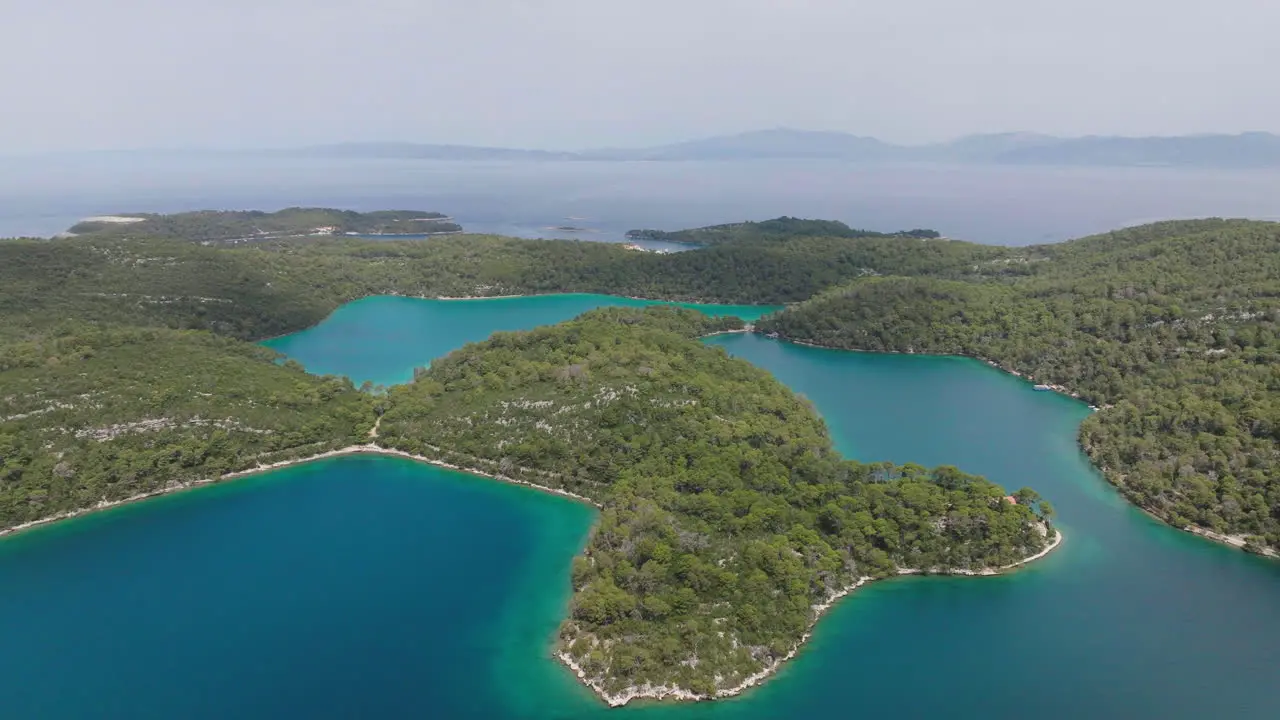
x: 574, y: 74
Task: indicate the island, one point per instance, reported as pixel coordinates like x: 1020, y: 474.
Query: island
x: 238, y: 227
x: 727, y: 521
x: 777, y: 229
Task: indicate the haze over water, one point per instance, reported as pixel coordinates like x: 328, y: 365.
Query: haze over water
x: 43, y: 196
x: 374, y: 587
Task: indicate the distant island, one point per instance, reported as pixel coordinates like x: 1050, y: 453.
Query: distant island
x: 224, y: 227
x: 778, y: 228
x: 1244, y: 150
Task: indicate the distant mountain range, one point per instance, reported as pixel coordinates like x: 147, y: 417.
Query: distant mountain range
x: 1246, y: 150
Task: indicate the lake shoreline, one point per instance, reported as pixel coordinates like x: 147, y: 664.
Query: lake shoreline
x: 663, y: 692
x: 366, y: 449
x: 1059, y: 389
x: 452, y: 298
x: 612, y: 699
x: 1215, y: 537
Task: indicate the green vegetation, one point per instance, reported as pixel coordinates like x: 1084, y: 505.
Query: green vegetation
x: 123, y: 370
x: 1171, y: 328
x: 107, y: 414
x: 727, y: 516
x: 278, y: 286
x: 221, y: 227
x: 777, y: 229
x: 1173, y: 323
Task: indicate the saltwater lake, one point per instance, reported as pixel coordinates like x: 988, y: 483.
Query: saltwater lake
x: 43, y: 196
x: 382, y: 339
x: 375, y: 587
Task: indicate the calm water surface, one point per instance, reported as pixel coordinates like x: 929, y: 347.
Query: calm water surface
x: 382, y: 339
x: 373, y: 587
x: 1003, y: 205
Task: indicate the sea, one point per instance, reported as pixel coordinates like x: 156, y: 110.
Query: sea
x: 370, y: 587
x: 600, y: 201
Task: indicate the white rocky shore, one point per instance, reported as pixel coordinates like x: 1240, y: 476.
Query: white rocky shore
x: 369, y: 448
x: 654, y: 692
x: 666, y: 692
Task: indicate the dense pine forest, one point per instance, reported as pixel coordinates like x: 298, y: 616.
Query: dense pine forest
x: 127, y: 367
x: 1171, y: 329
x: 727, y: 516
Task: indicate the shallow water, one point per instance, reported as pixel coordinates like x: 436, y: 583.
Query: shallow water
x: 382, y: 339
x: 374, y: 587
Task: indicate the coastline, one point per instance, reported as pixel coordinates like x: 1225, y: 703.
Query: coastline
x: 1060, y: 389
x: 1235, y: 541
x: 742, y: 330
x: 474, y: 297
x: 664, y: 692
x: 1210, y: 535
x: 370, y: 448
x: 612, y: 699
x: 452, y: 298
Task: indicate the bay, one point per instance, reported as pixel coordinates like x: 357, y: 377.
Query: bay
x: 375, y: 587
x: 381, y: 339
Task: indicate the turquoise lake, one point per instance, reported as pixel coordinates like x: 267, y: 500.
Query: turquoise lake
x: 383, y: 338
x: 376, y: 587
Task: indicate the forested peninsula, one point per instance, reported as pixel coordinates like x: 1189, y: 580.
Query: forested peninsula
x: 728, y: 523
x: 1170, y: 329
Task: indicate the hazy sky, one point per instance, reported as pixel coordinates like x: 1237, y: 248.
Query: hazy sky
x: 108, y: 74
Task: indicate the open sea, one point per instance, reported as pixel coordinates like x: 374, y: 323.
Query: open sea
x: 42, y: 196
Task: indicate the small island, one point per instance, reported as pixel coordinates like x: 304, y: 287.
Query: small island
x: 225, y: 227
x: 777, y: 229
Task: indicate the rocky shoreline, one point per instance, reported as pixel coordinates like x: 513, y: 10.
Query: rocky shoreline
x: 369, y: 448
x: 665, y: 692
x: 612, y: 699
x: 1229, y: 540
x: 1060, y: 389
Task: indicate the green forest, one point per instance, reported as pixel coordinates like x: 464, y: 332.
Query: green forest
x: 104, y: 414
x: 222, y: 227
x: 127, y: 367
x: 726, y: 513
x: 1171, y: 329
x: 783, y: 228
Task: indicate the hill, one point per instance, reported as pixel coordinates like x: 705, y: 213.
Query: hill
x: 728, y: 520
x: 1247, y: 150
x: 728, y: 523
x: 98, y: 415
x: 1172, y: 329
x: 762, y: 144
x: 783, y: 228
x: 1243, y: 150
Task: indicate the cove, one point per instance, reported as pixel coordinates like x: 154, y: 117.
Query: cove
x: 381, y: 339
x: 376, y: 587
